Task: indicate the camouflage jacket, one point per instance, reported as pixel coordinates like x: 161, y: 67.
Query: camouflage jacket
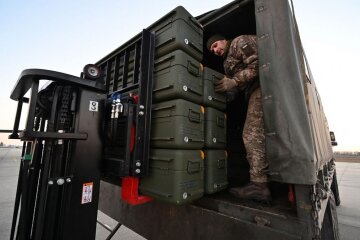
x: 241, y: 60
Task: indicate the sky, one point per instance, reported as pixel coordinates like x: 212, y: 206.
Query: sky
x: 66, y: 35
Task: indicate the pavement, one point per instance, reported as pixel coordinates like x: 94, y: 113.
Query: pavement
x: 9, y: 170
x: 348, y: 175
x: 348, y: 212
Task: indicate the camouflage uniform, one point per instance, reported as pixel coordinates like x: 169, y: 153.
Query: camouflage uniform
x: 241, y: 64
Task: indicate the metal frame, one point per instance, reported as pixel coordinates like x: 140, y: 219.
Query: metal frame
x: 29, y: 79
x: 143, y: 121
x: 137, y: 110
x: 44, y: 205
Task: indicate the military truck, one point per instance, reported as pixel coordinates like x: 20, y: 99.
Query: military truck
x: 133, y: 137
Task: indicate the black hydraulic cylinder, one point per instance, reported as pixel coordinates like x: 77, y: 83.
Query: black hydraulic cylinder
x: 17, y: 196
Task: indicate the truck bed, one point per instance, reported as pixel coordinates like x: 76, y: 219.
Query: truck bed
x: 216, y: 216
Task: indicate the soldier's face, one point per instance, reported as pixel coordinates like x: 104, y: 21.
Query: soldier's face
x: 218, y: 47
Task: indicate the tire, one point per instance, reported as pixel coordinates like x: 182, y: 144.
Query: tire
x: 330, y: 226
x: 335, y: 189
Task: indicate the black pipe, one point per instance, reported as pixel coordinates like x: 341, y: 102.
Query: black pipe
x: 15, y: 131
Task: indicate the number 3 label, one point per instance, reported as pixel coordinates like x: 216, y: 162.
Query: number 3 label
x: 93, y: 106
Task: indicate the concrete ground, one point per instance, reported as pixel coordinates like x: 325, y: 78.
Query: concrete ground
x: 348, y: 212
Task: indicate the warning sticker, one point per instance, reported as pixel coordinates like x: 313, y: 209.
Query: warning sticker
x: 87, y: 192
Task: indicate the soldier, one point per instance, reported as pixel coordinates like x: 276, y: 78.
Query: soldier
x: 241, y: 69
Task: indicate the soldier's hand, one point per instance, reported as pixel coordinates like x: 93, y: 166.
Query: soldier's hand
x: 225, y: 85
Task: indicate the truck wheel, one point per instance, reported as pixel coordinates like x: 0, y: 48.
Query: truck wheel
x: 335, y: 189
x: 330, y: 227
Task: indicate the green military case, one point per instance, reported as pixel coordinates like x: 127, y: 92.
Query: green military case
x: 175, y: 176
x: 178, y: 30
x: 177, y: 124
x: 177, y: 75
x: 210, y: 97
x: 215, y: 128
x: 215, y: 171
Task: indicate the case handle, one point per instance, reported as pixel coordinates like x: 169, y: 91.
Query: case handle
x: 194, y: 116
x: 161, y: 159
x: 163, y: 88
x: 221, y: 163
x: 193, y: 69
x: 215, y: 79
x: 164, y: 108
x: 193, y: 167
x: 220, y: 121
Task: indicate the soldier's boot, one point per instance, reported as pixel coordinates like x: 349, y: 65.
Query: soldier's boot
x: 253, y: 191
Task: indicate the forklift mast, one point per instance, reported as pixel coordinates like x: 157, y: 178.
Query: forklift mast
x: 63, y: 155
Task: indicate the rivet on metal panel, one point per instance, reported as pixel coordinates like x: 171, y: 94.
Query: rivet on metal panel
x: 185, y: 195
x: 137, y: 171
x: 274, y: 173
x: 261, y: 9
x: 271, y: 134
x: 141, y: 113
x: 210, y: 98
x: 186, y: 41
x: 261, y: 221
x: 263, y: 36
x: 186, y: 139
x: 214, y: 140
x: 60, y: 181
x: 185, y: 88
x: 141, y: 107
x: 60, y: 141
x: 267, y: 97
x: 51, y: 182
x: 265, y: 66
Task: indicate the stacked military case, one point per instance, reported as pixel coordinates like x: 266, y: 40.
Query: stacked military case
x: 176, y: 166
x: 215, y: 133
x: 178, y: 131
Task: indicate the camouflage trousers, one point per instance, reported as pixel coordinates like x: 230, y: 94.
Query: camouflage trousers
x: 254, y: 139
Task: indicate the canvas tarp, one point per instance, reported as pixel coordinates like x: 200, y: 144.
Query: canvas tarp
x: 297, y: 138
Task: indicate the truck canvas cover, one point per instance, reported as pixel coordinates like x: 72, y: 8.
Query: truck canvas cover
x: 290, y: 101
